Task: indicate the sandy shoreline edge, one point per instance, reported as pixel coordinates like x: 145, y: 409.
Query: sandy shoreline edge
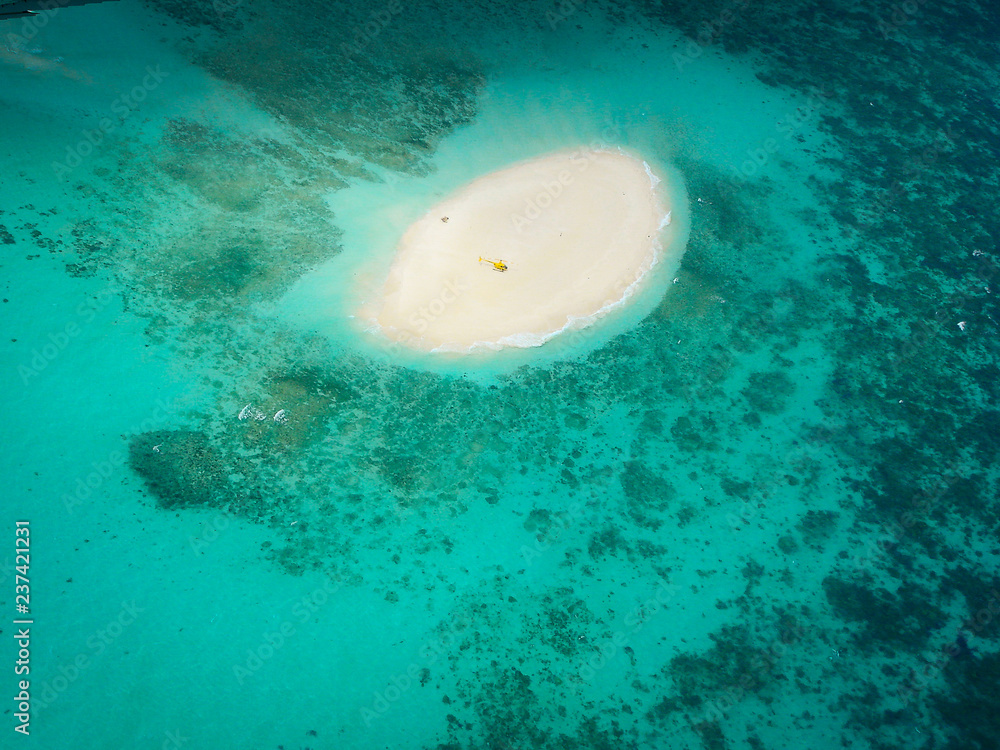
x: 577, y: 231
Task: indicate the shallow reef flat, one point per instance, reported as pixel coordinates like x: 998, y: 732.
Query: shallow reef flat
x: 761, y: 515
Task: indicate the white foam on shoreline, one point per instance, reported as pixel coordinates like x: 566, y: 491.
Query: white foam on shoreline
x: 477, y: 219
x: 528, y: 340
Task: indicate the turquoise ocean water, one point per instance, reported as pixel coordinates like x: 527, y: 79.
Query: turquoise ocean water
x: 756, y: 511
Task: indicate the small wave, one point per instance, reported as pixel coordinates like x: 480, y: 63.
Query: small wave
x: 653, y: 179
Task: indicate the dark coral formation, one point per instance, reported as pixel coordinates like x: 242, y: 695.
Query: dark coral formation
x: 181, y: 468
x: 807, y: 384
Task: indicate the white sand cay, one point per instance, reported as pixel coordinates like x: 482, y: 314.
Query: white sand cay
x: 576, y: 230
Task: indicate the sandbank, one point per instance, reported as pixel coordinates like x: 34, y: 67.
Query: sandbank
x: 576, y: 231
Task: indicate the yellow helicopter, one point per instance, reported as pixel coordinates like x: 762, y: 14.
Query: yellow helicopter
x: 498, y: 265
